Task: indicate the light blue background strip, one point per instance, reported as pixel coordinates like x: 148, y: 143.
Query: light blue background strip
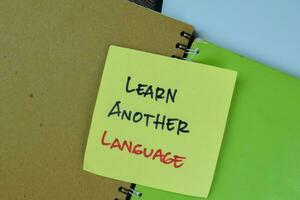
x: 265, y: 30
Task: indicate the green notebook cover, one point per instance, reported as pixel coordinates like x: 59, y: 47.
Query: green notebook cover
x: 260, y: 154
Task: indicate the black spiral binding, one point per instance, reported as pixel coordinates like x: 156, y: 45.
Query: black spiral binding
x: 186, y: 48
x: 129, y: 192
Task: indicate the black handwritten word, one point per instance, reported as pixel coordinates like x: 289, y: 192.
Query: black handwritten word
x: 138, y: 149
x: 158, y: 121
x: 149, y: 91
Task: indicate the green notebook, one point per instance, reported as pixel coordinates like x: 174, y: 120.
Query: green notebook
x: 259, y: 158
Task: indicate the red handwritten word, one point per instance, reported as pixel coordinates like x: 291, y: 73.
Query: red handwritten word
x: 138, y: 149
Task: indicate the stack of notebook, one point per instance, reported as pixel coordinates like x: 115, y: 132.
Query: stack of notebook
x: 111, y: 100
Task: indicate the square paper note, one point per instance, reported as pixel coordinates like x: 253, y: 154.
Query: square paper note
x: 159, y: 121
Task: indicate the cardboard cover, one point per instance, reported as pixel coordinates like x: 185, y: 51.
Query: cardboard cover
x: 51, y: 59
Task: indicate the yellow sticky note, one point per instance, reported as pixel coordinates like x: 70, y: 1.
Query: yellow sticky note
x: 159, y: 121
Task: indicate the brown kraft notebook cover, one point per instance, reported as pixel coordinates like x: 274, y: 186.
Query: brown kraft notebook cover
x: 51, y: 59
